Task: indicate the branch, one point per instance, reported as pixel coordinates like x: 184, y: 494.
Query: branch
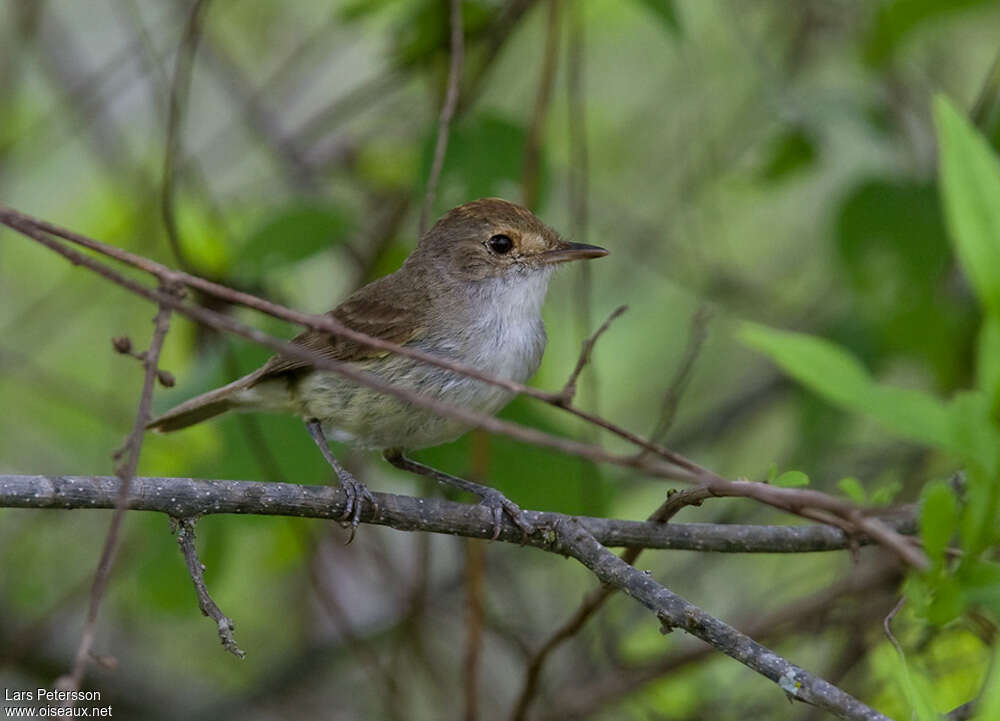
x: 582, y: 700
x: 188, y: 497
x: 675, y: 612
x: 593, y: 602
x: 125, y: 475
x: 569, y: 390
x: 184, y: 528
x: 576, y: 537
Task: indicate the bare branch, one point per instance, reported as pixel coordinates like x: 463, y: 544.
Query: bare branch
x: 569, y: 536
x: 569, y: 390
x: 593, y: 602
x: 447, y: 110
x: 580, y: 701
x: 675, y: 612
x: 126, y: 473
x: 184, y: 529
x: 188, y: 497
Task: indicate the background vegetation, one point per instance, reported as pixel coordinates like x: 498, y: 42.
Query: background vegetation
x: 775, y: 163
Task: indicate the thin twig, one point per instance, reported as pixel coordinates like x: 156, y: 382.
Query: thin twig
x: 447, y: 110
x: 887, y: 626
x: 569, y: 390
x: 183, y: 528
x: 125, y: 472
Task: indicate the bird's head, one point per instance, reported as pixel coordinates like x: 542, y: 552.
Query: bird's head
x: 492, y: 238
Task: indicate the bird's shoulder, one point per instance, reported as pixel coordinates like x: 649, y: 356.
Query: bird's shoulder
x: 390, y: 308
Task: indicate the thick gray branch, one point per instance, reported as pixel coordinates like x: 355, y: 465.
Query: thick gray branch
x: 188, y: 497
x: 675, y: 612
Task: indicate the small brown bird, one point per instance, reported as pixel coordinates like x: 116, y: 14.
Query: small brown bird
x: 471, y: 292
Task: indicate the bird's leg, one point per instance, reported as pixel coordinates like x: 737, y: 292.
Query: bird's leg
x: 491, y: 498
x: 356, y: 490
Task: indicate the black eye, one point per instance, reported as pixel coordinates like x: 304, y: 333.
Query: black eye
x: 501, y: 244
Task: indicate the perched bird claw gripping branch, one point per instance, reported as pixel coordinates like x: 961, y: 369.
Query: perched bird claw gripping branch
x: 471, y: 293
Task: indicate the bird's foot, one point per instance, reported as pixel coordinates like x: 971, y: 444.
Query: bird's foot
x: 498, y: 503
x: 357, y: 492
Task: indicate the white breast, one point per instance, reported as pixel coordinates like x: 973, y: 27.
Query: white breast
x: 504, y: 334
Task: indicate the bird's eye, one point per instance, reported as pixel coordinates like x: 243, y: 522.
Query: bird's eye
x: 501, y: 244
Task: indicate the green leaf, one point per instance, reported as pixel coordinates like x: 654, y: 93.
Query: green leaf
x: 852, y: 488
x: 948, y: 602
x: 836, y: 375
x: 938, y: 518
x: 792, y: 479
x: 970, y: 188
x: 666, y: 13
x: 291, y: 234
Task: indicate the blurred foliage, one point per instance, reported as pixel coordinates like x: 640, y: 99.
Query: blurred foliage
x: 783, y: 162
x: 967, y: 578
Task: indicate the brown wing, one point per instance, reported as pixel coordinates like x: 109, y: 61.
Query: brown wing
x: 374, y: 310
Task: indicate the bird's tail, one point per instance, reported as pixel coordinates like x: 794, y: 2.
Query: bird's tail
x: 203, y: 407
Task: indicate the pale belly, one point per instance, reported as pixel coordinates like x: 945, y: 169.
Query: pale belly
x: 362, y: 416
x: 368, y: 418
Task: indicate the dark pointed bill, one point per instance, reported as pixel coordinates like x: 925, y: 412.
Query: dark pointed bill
x: 572, y: 251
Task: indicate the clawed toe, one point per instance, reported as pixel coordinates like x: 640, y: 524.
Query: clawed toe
x: 357, y: 493
x: 499, y: 504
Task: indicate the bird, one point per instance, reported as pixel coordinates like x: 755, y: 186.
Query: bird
x: 471, y: 292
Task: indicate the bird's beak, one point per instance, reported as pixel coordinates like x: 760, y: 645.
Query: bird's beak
x: 572, y: 251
